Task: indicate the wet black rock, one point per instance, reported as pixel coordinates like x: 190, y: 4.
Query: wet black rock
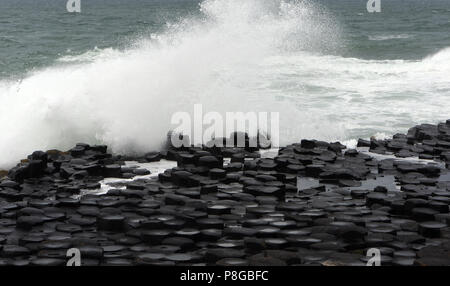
x: 14, y: 251
x: 27, y: 222
x: 47, y: 262
x: 232, y: 262
x: 209, y: 161
x: 215, y: 254
x: 112, y: 171
x: 111, y: 222
x: 263, y: 259
x: 155, y: 236
x: 217, y: 173
x: 153, y: 157
x: 431, y: 228
x: 363, y: 143
x: 219, y: 209
x: 314, y: 203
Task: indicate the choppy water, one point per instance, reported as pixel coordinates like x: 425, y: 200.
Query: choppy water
x: 116, y: 72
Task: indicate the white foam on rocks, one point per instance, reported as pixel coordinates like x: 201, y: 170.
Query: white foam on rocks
x: 155, y: 169
x: 415, y: 160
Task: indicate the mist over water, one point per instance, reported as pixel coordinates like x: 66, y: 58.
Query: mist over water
x: 233, y: 55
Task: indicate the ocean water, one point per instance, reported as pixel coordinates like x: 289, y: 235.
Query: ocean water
x: 116, y: 72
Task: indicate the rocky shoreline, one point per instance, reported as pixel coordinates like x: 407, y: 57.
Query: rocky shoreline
x: 313, y: 203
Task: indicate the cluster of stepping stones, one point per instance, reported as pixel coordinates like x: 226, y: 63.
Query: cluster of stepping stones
x: 229, y: 206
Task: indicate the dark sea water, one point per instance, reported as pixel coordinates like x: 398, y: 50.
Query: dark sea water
x: 115, y: 72
x: 35, y: 33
